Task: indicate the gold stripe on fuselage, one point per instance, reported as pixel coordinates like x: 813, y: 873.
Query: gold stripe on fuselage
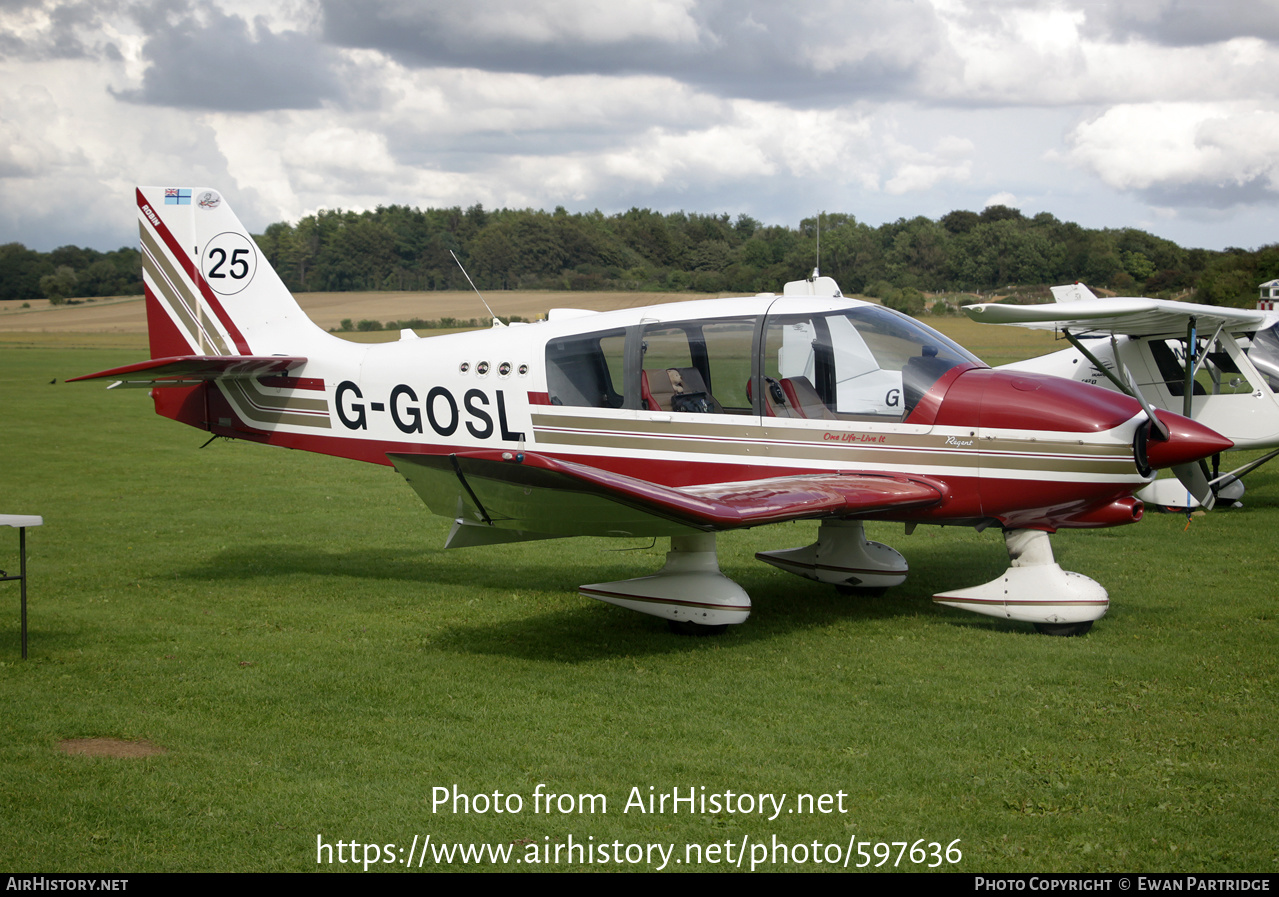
x: 1057, y: 454
x: 273, y: 410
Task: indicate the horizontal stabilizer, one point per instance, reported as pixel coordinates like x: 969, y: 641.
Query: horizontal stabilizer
x: 523, y: 490
x: 189, y: 370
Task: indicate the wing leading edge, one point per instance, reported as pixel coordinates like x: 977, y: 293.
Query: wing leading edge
x: 1132, y: 317
x: 539, y: 497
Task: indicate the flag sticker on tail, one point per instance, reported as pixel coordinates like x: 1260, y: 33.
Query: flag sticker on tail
x: 177, y: 196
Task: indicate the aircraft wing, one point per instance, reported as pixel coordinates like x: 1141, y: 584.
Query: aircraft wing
x: 542, y: 496
x: 190, y: 370
x: 1130, y: 317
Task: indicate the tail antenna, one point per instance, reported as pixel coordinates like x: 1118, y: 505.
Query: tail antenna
x: 496, y: 321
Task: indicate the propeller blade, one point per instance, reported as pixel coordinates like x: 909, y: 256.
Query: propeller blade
x: 1194, y: 476
x: 1158, y: 428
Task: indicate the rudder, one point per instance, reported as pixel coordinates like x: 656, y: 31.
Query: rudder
x: 209, y: 289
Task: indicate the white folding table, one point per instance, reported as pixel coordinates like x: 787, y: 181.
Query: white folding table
x: 21, y: 522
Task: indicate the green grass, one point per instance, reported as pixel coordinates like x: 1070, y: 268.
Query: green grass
x: 135, y: 342
x: 289, y: 629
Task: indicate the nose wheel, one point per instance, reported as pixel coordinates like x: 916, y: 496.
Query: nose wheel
x: 860, y: 592
x: 1034, y: 589
x: 686, y: 627
x: 1063, y: 630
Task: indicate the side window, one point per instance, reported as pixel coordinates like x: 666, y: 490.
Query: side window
x: 730, y: 346
x: 1216, y: 375
x: 698, y: 366
x: 669, y: 380
x: 868, y: 367
x: 798, y: 369
x: 586, y: 369
x: 1170, y: 356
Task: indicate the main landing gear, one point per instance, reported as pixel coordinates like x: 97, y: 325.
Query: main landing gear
x: 697, y: 599
x: 844, y: 558
x: 690, y: 591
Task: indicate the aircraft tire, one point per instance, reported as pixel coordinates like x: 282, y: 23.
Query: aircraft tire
x: 687, y: 627
x: 1063, y: 630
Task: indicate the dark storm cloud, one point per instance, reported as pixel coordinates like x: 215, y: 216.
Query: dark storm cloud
x: 215, y: 61
x: 1182, y: 23
x: 819, y: 51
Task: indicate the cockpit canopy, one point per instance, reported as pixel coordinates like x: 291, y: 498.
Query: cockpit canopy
x: 863, y: 362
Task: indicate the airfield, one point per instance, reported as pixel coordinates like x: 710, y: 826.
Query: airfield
x: 240, y: 654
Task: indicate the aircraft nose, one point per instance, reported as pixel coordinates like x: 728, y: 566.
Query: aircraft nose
x: 1187, y: 441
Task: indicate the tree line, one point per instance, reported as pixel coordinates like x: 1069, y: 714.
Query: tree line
x: 68, y: 271
x: 401, y: 248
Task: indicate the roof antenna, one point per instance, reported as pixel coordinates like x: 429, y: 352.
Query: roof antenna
x: 497, y: 322
x: 817, y: 269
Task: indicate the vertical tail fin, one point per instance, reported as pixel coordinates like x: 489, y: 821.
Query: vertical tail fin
x: 209, y: 290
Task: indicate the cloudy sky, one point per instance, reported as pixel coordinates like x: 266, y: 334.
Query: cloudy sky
x: 1159, y: 114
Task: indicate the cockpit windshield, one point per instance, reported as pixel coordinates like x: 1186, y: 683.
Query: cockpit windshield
x: 1264, y: 355
x: 866, y: 362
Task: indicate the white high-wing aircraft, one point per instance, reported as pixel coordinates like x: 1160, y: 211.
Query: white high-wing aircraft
x: 1219, y: 366
x: 678, y: 420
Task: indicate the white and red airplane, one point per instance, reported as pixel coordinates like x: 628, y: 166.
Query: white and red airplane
x: 677, y: 420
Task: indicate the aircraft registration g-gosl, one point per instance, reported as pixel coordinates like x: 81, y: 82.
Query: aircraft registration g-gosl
x: 677, y: 420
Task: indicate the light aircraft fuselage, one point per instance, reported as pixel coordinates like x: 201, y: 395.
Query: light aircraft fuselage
x: 676, y: 420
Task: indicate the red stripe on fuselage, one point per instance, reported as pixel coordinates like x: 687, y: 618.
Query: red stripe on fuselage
x: 1034, y: 504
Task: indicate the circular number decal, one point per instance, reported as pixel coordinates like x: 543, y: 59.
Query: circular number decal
x: 229, y: 262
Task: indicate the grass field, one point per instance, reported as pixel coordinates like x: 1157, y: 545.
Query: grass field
x: 126, y: 314
x: 288, y: 630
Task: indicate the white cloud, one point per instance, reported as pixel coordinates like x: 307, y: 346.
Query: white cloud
x: 1217, y: 152
x: 916, y: 170
x: 1045, y: 56
x: 901, y: 37
x: 76, y: 155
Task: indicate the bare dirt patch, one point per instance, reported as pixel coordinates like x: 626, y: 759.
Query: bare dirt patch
x: 109, y: 747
